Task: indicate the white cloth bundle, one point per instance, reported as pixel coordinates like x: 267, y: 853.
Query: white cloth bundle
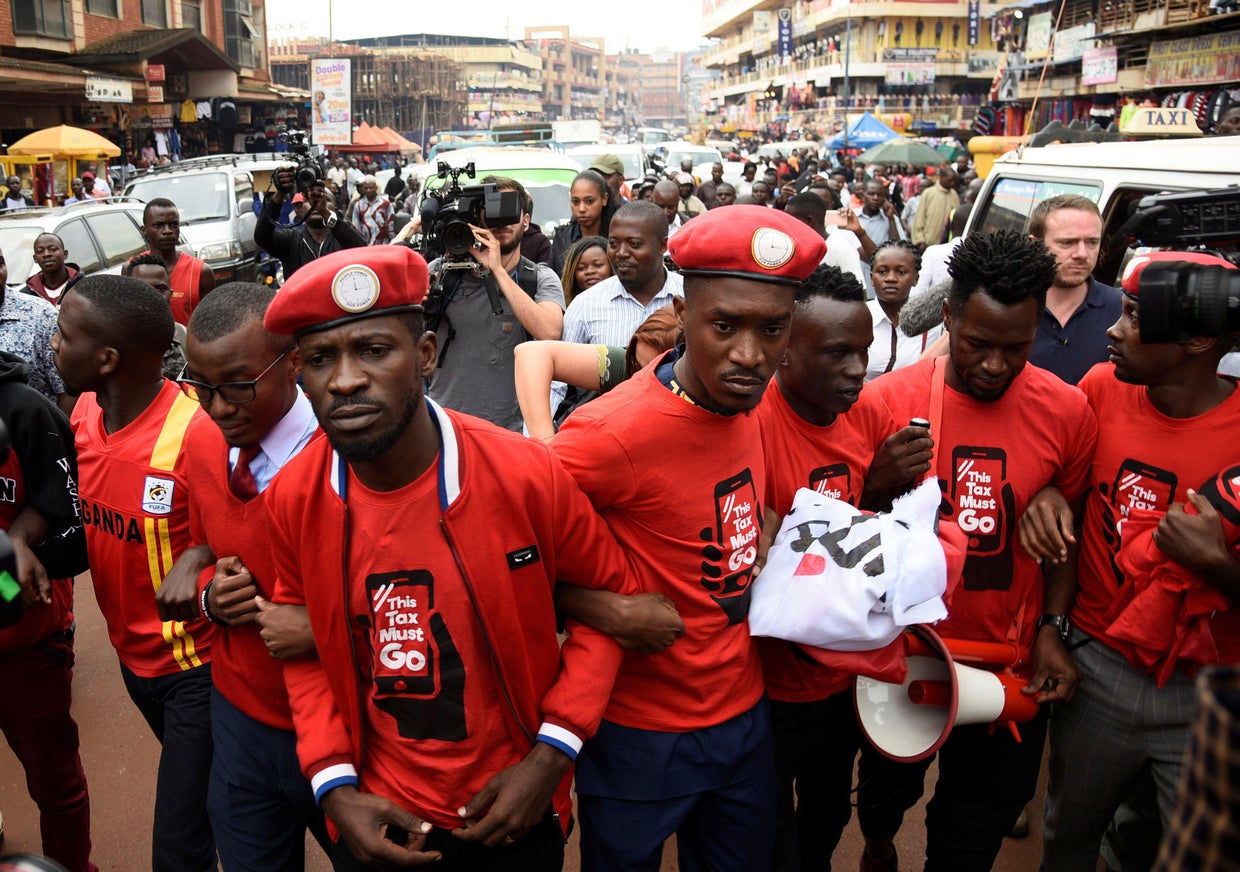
x: 840, y: 579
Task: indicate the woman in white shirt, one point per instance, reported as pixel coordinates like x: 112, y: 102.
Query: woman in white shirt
x: 894, y: 270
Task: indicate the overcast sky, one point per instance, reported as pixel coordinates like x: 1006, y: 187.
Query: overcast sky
x: 645, y: 25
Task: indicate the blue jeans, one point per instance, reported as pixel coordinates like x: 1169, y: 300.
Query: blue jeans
x: 177, y: 708
x: 259, y: 802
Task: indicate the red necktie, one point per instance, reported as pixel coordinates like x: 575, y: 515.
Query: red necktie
x: 242, y: 482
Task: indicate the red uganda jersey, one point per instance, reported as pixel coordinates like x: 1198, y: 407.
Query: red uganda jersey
x: 135, y: 507
x: 434, y: 731
x: 833, y: 461
x: 680, y: 487
x: 184, y: 282
x: 991, y: 459
x: 1147, y: 460
x: 242, y: 669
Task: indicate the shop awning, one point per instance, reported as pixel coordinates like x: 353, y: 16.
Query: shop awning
x: 184, y: 48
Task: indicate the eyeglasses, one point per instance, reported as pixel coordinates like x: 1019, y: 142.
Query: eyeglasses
x: 236, y: 393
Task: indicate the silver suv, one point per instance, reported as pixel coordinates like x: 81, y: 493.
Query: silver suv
x: 215, y: 196
x: 98, y: 236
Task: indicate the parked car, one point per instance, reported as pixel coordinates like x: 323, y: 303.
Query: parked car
x: 215, y: 196
x: 634, y: 157
x: 1115, y: 175
x: 98, y: 236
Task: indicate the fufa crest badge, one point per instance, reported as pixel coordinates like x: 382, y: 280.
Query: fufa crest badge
x: 157, y: 495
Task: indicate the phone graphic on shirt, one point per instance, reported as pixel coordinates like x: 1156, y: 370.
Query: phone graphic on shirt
x: 737, y: 533
x: 1140, y: 486
x: 418, y: 675
x: 832, y: 481
x: 978, y: 476
x: 403, y: 648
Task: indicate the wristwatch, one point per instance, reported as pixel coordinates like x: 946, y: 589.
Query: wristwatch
x: 1060, y: 622
x: 332, y: 219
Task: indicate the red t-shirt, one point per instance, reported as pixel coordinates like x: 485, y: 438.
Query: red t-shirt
x: 435, y: 731
x: 680, y: 488
x: 242, y: 669
x: 831, y: 460
x: 1149, y: 460
x: 991, y: 459
x: 135, y: 507
x: 184, y: 281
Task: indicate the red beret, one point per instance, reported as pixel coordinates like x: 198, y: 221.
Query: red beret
x: 347, y: 286
x: 749, y: 242
x: 1134, y: 268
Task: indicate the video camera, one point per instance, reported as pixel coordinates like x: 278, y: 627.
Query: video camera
x: 450, y: 213
x: 309, y: 172
x: 1180, y: 301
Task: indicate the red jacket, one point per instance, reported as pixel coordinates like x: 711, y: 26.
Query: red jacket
x: 499, y: 492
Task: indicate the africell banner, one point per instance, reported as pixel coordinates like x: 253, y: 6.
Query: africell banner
x: 331, y: 89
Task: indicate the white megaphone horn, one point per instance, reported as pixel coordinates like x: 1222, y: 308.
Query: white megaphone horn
x: 911, y: 721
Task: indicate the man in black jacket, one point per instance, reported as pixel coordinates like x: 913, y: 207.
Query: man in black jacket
x: 323, y: 231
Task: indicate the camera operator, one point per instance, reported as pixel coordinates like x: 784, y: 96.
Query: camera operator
x: 476, y: 362
x: 323, y: 231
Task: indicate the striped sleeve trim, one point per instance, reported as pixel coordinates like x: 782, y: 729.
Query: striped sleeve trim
x: 332, y: 777
x: 561, y: 739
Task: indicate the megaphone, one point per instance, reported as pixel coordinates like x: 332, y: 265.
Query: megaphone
x: 910, y: 721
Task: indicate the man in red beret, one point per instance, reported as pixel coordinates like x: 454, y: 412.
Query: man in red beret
x: 1163, y: 415
x: 673, y: 460
x: 436, y: 721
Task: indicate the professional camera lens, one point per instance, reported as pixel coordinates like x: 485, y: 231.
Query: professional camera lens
x: 457, y: 236
x: 1180, y: 301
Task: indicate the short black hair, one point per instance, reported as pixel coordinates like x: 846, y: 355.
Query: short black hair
x: 55, y: 236
x: 131, y: 316
x: 809, y: 205
x: 1008, y: 266
x: 903, y: 245
x: 645, y: 211
x: 229, y: 308
x: 150, y: 258
x: 156, y: 203
x: 830, y: 283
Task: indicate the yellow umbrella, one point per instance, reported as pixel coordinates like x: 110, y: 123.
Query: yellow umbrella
x: 65, y: 141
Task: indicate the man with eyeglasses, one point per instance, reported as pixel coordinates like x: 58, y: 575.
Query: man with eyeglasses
x: 129, y: 426
x: 190, y: 277
x: 257, y: 419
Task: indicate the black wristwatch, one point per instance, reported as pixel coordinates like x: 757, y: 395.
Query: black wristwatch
x: 1060, y: 622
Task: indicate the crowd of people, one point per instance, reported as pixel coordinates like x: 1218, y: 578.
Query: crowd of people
x: 403, y: 552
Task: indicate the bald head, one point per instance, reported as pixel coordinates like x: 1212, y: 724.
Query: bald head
x: 667, y: 198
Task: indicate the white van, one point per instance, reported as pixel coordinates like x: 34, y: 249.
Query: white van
x: 1115, y: 175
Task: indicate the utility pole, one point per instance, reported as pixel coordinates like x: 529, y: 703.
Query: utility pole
x: 847, y: 53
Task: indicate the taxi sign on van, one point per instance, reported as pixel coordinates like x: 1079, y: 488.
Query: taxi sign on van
x: 1156, y: 121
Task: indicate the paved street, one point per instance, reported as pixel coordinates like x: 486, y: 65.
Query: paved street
x: 120, y: 755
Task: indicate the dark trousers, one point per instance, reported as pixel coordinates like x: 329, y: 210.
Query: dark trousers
x: 36, y: 689
x: 722, y: 824
x: 177, y: 708
x: 541, y: 850
x: 985, y: 780
x: 259, y: 802
x: 816, y: 745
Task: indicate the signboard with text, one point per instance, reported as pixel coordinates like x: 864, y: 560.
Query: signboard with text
x: 101, y: 90
x: 1071, y: 42
x: 785, y: 32
x: 1099, y: 66
x: 331, y: 101
x: 1038, y: 36
x: 1199, y: 60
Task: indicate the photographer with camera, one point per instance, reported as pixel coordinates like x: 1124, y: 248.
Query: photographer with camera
x: 485, y: 297
x: 1162, y: 415
x: 323, y: 231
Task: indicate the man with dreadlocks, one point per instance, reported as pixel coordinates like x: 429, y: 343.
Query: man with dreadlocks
x: 1003, y: 430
